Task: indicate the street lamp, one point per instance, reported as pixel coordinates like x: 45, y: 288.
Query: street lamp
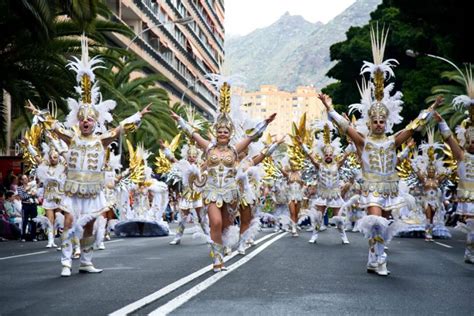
x: 182, y: 21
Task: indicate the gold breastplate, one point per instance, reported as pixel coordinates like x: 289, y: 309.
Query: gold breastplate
x: 221, y: 156
x: 431, y: 184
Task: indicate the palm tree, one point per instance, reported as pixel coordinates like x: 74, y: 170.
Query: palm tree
x: 449, y: 92
x: 132, y: 89
x: 37, y: 38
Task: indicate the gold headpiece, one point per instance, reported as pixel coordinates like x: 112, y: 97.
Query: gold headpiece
x: 327, y: 140
x: 378, y: 109
x: 223, y: 119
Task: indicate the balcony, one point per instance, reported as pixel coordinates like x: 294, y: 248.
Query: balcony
x: 141, y: 5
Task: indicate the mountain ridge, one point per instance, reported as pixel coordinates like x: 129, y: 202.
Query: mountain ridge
x: 292, y: 51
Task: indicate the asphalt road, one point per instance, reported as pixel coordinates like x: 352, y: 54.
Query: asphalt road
x: 280, y: 276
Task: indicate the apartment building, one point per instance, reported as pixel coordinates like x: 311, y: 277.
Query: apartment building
x: 180, y: 39
x: 289, y: 106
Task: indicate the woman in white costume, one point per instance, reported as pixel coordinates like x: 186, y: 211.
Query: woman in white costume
x: 221, y: 192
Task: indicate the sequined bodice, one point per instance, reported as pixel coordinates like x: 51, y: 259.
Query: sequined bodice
x: 328, y: 175
x: 466, y: 168
x: 86, y: 154
x: 379, y: 156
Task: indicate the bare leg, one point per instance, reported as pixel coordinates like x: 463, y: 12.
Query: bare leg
x: 215, y: 223
x: 50, y: 216
x: 245, y: 218
x: 429, y: 212
x: 294, y: 210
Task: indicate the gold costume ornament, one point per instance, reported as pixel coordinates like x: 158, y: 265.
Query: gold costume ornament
x: 162, y: 162
x: 295, y: 151
x: 136, y: 163
x: 223, y: 119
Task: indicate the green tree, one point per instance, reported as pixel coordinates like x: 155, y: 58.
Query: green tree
x: 436, y: 27
x: 125, y: 81
x: 38, y: 36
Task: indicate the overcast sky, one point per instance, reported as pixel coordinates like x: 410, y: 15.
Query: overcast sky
x: 244, y: 16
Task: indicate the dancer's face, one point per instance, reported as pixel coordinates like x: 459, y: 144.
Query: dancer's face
x: 53, y: 157
x: 223, y: 136
x: 192, y: 158
x: 377, y: 126
x: 86, y: 125
x: 469, y: 145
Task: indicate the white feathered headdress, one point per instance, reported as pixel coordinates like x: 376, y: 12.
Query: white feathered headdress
x: 376, y: 99
x: 325, y: 138
x: 429, y: 158
x: 90, y: 104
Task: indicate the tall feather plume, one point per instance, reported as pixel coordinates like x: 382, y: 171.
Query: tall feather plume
x: 224, y: 100
x: 327, y: 134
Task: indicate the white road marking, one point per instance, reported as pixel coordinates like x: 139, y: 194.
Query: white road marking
x: 24, y: 255
x: 186, y: 296
x: 173, y: 286
x: 444, y: 245
x: 115, y: 240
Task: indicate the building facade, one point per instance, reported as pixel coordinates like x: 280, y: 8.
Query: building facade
x: 289, y: 106
x: 182, y: 52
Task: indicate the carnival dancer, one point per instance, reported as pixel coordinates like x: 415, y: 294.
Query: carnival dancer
x: 293, y: 171
x: 431, y: 175
x: 249, y: 180
x: 51, y: 172
x: 463, y: 152
x: 190, y: 197
x: 377, y: 151
x: 220, y: 192
x: 106, y: 221
x: 328, y: 161
x: 86, y: 137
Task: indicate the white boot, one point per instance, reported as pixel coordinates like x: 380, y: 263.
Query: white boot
x: 87, y: 245
x: 241, y: 248
x: 344, y: 239
x: 429, y: 232
x: 179, y: 231
x: 372, y: 261
x: 217, y: 253
x: 51, y: 240
x: 294, y: 232
x: 314, y: 237
x: 66, y: 253
x: 101, y: 246
x: 176, y: 240
x: 66, y: 271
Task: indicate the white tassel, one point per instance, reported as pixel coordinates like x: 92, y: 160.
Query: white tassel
x: 59, y: 221
x: 99, y: 230
x: 78, y: 226
x: 252, y: 231
x: 44, y: 222
x: 230, y: 236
